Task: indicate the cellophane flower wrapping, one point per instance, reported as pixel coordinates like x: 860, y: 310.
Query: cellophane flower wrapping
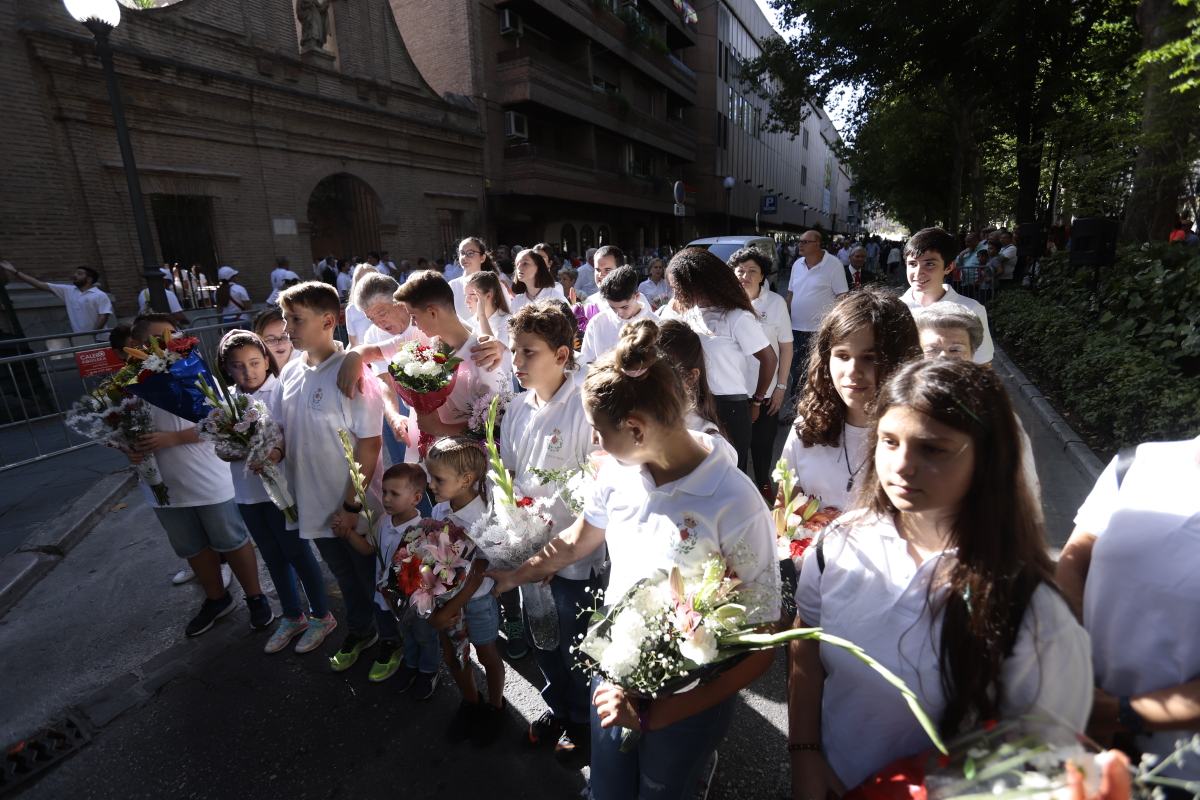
x: 429, y: 568
x: 480, y: 406
x: 424, y: 374
x: 166, y: 375
x: 241, y: 429
x: 799, y: 518
x: 118, y: 420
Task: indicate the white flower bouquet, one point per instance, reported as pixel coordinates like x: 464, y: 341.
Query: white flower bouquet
x: 117, y: 420
x: 424, y: 374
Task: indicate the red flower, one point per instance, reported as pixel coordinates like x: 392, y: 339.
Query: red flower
x: 684, y: 534
x: 182, y: 344
x: 144, y: 374
x: 525, y: 502
x: 439, y: 358
x: 798, y: 546
x: 408, y: 576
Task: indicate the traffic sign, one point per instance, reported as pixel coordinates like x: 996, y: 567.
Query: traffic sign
x: 769, y: 204
x: 680, y: 210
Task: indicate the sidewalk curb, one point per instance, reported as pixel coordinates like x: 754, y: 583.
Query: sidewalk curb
x: 1072, y: 443
x: 52, y: 540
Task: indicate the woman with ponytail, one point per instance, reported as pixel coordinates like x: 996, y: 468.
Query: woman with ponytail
x: 667, y: 497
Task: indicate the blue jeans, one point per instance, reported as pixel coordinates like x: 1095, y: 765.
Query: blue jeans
x: 355, y: 574
x: 193, y: 529
x: 395, y: 447
x: 286, y: 556
x: 422, y: 650
x: 665, y: 765
x: 482, y: 615
x: 566, y: 690
x: 385, y: 623
x: 798, y: 375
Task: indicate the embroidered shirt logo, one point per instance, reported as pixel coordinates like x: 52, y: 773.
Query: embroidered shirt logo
x: 554, y: 442
x: 314, y: 402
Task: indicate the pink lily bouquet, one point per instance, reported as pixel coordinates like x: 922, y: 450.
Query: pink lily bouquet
x: 515, y: 528
x: 117, y: 420
x: 429, y: 568
x: 675, y: 630
x: 240, y: 429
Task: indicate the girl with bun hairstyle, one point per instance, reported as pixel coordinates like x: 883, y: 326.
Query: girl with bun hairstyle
x: 665, y: 498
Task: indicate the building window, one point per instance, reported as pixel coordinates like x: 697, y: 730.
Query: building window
x: 722, y: 131
x: 587, y: 238
x: 803, y: 176
x: 806, y: 138
x: 603, y: 236
x: 567, y: 239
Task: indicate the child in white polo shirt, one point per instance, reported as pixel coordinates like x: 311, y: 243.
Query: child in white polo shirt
x: 929, y: 254
x: 623, y: 304
x: 314, y: 410
x: 545, y: 428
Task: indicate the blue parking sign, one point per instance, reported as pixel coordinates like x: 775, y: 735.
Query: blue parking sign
x: 770, y: 204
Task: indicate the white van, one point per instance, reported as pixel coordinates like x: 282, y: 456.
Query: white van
x: 724, y: 246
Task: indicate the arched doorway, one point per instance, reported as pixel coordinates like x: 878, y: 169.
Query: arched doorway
x: 587, y: 239
x: 343, y: 217
x: 567, y: 239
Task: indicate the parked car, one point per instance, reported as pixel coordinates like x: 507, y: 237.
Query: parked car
x: 724, y: 246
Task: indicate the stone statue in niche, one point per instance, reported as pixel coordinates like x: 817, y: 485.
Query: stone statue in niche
x: 314, y: 23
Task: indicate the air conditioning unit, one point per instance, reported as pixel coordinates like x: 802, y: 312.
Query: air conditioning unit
x: 510, y: 23
x: 516, y: 126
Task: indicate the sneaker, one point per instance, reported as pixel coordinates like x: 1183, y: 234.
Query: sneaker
x: 210, y: 612
x: 425, y: 685
x: 387, y: 661
x: 183, y: 576
x: 488, y: 724
x: 226, y: 575
x: 544, y: 730
x: 406, y: 676
x: 314, y: 637
x: 575, y: 740
x: 351, y: 649
x: 463, y: 721
x: 261, y: 614
x: 514, y: 633
x: 285, y: 631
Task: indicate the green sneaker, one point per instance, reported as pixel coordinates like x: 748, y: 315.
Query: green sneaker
x: 351, y: 648
x: 387, y: 661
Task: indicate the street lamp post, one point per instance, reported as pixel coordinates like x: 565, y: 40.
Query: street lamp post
x: 728, y: 183
x: 100, y: 17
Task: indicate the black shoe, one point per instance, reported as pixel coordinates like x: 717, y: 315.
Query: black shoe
x: 425, y: 685
x: 261, y: 614
x: 544, y: 730
x: 406, y: 676
x: 210, y: 612
x: 514, y: 635
x: 575, y: 742
x: 488, y: 724
x: 463, y: 722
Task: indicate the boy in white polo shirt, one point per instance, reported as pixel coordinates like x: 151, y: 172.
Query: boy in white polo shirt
x: 313, y: 413
x: 624, y: 304
x: 928, y: 255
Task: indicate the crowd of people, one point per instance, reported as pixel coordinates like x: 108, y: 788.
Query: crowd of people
x: 677, y: 385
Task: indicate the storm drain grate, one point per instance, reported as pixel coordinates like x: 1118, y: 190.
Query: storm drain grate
x: 33, y: 755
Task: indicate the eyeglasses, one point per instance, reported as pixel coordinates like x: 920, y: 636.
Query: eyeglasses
x: 276, y: 339
x: 809, y: 241
x: 469, y: 253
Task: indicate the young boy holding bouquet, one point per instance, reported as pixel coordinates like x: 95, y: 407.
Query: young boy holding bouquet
x: 200, y: 517
x: 313, y: 412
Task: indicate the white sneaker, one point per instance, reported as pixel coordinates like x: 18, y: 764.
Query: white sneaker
x: 183, y: 576
x: 226, y: 575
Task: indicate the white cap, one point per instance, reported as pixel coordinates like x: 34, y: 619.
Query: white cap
x: 226, y: 273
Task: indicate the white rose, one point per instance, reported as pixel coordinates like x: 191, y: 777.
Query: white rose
x: 412, y: 369
x: 700, y: 647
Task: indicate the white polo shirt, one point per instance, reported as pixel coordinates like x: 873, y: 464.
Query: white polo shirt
x: 815, y: 290
x: 776, y: 324
x: 554, y: 435
x: 1141, y: 601
x: 193, y: 474
x: 84, y: 309
x: 231, y: 310
x: 389, y: 345
x: 715, y: 509
x: 390, y: 536
x: 986, y: 349
x: 522, y: 299
x: 472, y: 383
x: 823, y: 471
x: 313, y: 410
x: 872, y: 593
x: 458, y: 285
x: 278, y: 276
x: 604, y: 330
x: 498, y: 322
x: 464, y: 518
x: 729, y: 338
x: 357, y: 323
x: 247, y: 487
x: 698, y: 424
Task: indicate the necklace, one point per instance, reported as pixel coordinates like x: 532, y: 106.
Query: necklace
x: 846, y: 453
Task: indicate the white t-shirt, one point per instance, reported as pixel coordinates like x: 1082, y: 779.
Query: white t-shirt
x: 1142, y: 595
x: 986, y: 350
x: 552, y: 436
x: 498, y: 322
x: 278, y: 276
x: 872, y: 593
x: 390, y: 536
x: 815, y: 290
x: 713, y: 509
x: 522, y: 299
x: 728, y: 337
x: 193, y: 474
x: 84, y: 309
x: 776, y: 324
x: 604, y: 331
x: 823, y: 471
x: 173, y: 306
x: 656, y: 292
x: 345, y: 282
x: 1009, y: 254
x: 472, y: 383
x: 357, y: 323
x: 464, y: 518
x: 247, y: 487
x: 458, y: 285
x: 313, y: 410
x: 894, y: 256
x: 237, y: 292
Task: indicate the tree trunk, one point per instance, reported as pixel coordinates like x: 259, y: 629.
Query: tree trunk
x: 1169, y: 123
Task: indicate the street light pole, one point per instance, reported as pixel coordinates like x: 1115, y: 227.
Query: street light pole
x: 728, y: 183
x: 100, y: 17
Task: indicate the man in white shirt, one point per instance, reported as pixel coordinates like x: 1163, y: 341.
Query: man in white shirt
x: 927, y: 256
x: 816, y: 282
x: 280, y: 273
x: 624, y: 304
x: 345, y: 281
x: 174, y: 309
x: 606, y: 259
x: 1008, y: 254
x: 88, y: 307
x: 587, y: 283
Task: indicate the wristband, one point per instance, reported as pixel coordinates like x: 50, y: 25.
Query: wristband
x: 349, y: 509
x: 803, y: 747
x: 781, y: 387
x: 643, y: 714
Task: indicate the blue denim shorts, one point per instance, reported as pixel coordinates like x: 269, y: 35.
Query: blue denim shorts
x: 193, y: 529
x: 482, y: 616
